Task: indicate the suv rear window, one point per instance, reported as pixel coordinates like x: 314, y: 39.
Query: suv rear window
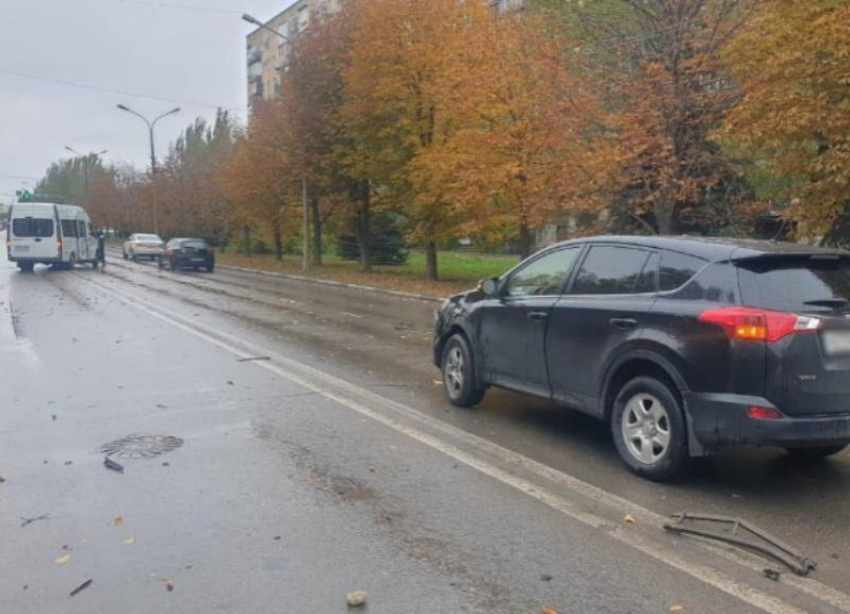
x: 788, y: 284
x: 676, y: 269
x: 610, y: 270
x: 198, y: 245
x: 32, y: 227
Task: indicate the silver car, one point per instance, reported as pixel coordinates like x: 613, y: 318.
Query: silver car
x: 143, y: 246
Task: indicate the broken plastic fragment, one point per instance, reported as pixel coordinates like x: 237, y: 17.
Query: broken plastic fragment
x: 111, y: 464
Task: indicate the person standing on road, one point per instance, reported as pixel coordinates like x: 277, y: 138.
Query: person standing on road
x: 101, y: 248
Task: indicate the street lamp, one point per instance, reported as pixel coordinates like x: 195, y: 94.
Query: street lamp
x: 254, y: 21
x: 86, y: 159
x: 305, y: 262
x: 151, y: 125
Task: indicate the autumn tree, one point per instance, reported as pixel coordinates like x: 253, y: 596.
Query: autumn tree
x: 259, y: 180
x: 792, y: 64
x: 190, y: 199
x: 519, y: 148
x: 666, y: 92
x: 393, y: 111
x: 312, y: 94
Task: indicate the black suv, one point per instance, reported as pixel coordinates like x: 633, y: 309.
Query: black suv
x: 682, y: 344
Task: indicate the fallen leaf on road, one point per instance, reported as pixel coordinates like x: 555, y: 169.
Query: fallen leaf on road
x: 315, y: 479
x: 547, y: 610
x: 63, y: 559
x: 356, y: 598
x: 676, y: 608
x: 129, y: 541
x: 118, y: 521
x: 629, y: 519
x: 81, y: 587
x: 2, y: 479
x: 371, y: 468
x: 230, y: 383
x: 438, y: 382
x: 169, y: 584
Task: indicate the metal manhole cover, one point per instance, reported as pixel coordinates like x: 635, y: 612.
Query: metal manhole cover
x: 142, y: 446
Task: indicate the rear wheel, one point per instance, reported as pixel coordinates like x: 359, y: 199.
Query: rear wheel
x: 173, y: 264
x: 211, y: 267
x: 816, y: 452
x: 72, y: 262
x: 649, y: 429
x: 459, y: 373
x: 124, y: 253
x: 26, y: 267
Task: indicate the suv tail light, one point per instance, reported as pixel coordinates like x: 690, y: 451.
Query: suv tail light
x: 750, y: 324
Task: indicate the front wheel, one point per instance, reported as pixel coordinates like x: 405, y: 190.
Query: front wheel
x: 648, y: 426
x: 211, y: 268
x: 459, y: 373
x: 816, y: 452
x: 26, y: 267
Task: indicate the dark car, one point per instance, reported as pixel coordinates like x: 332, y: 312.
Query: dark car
x: 187, y: 254
x: 681, y: 344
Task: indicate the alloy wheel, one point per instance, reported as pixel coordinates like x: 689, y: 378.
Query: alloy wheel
x: 646, y: 428
x: 454, y: 372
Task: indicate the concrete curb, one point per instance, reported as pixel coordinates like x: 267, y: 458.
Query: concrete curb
x: 334, y: 284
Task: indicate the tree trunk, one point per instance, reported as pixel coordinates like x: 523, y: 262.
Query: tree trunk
x: 246, y: 237
x: 317, y: 230
x: 526, y: 240
x: 278, y: 242
x: 431, y: 272
x: 364, y: 231
x: 664, y: 214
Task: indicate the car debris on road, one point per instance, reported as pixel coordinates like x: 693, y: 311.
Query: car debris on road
x: 771, y: 547
x: 111, y: 464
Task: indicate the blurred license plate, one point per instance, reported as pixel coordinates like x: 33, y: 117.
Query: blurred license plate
x: 21, y: 248
x: 836, y: 342
x: 197, y: 259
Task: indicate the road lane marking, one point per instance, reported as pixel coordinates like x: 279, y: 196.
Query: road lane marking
x: 704, y: 573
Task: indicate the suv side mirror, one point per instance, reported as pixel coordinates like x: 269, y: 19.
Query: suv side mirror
x: 489, y: 286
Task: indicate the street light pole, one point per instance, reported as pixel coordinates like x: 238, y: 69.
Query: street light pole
x: 151, y: 125
x: 305, y: 229
x: 86, y: 159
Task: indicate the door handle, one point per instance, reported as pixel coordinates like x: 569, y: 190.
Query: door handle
x: 623, y: 323
x: 538, y: 315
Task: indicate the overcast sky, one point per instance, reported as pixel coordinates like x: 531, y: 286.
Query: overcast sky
x: 191, y: 52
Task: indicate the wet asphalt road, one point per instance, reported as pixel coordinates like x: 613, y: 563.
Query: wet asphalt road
x: 283, y: 498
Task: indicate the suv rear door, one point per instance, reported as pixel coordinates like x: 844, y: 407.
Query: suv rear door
x: 807, y: 372
x: 610, y: 295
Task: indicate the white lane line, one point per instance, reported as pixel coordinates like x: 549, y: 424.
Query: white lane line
x: 708, y: 575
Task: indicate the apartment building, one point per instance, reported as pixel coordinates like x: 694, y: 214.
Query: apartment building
x: 268, y: 53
